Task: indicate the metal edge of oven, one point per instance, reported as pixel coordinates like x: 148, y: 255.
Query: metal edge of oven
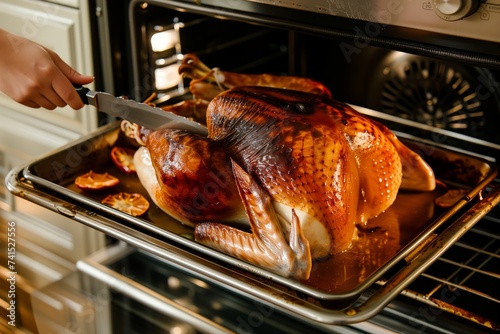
x: 248, y: 287
x: 95, y: 266
x: 226, y: 315
x: 280, y: 16
x: 99, y: 266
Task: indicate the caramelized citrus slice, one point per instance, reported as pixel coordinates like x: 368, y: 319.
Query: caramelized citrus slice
x: 123, y: 158
x: 133, y: 204
x: 96, y: 181
x: 451, y: 197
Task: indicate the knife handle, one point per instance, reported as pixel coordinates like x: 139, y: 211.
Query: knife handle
x: 82, y: 92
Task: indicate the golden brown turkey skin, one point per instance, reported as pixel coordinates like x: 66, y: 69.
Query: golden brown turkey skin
x: 310, y: 153
x: 195, y: 180
x: 307, y: 169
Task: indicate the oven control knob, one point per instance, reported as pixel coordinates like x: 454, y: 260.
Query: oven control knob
x: 453, y: 10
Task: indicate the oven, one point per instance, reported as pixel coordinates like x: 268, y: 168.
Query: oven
x: 429, y: 70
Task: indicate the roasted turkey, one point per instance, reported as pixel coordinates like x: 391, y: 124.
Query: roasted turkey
x: 283, y: 178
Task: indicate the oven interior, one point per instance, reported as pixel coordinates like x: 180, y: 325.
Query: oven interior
x: 461, y: 100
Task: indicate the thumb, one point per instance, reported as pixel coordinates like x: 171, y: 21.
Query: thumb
x: 69, y: 72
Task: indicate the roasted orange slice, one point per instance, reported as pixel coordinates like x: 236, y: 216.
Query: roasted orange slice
x: 96, y: 181
x: 123, y: 158
x: 133, y: 204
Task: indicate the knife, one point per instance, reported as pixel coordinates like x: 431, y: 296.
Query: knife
x: 140, y: 113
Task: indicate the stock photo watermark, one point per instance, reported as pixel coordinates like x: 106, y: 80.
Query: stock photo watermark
x: 378, y: 20
x: 12, y: 273
x: 426, y: 314
x: 254, y: 319
x: 40, y: 19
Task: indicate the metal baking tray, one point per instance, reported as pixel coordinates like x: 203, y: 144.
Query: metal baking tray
x: 394, y: 248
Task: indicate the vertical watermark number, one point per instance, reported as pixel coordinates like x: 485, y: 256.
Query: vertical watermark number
x: 11, y: 277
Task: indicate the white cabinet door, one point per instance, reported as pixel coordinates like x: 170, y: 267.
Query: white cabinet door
x: 19, y: 144
x: 63, y: 30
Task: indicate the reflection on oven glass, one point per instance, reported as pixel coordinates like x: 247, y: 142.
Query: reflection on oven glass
x: 164, y: 40
x: 167, y: 77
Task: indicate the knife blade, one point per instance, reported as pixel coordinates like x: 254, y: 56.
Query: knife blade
x: 140, y: 113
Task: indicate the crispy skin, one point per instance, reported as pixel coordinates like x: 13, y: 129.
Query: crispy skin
x: 310, y: 153
x: 307, y: 170
x: 195, y: 177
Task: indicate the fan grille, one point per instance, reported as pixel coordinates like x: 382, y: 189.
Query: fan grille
x: 432, y: 93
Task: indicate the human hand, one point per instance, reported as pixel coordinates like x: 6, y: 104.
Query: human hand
x: 35, y: 76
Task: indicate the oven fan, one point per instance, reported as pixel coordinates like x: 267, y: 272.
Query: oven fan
x: 439, y: 94
x: 432, y: 93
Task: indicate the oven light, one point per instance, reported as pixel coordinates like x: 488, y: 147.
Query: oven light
x: 167, y: 77
x: 182, y: 329
x: 161, y: 62
x: 164, y: 40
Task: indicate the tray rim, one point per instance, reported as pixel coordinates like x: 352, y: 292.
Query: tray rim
x: 344, y: 296
x: 235, y: 281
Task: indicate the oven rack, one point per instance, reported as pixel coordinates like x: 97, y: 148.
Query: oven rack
x: 464, y: 280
